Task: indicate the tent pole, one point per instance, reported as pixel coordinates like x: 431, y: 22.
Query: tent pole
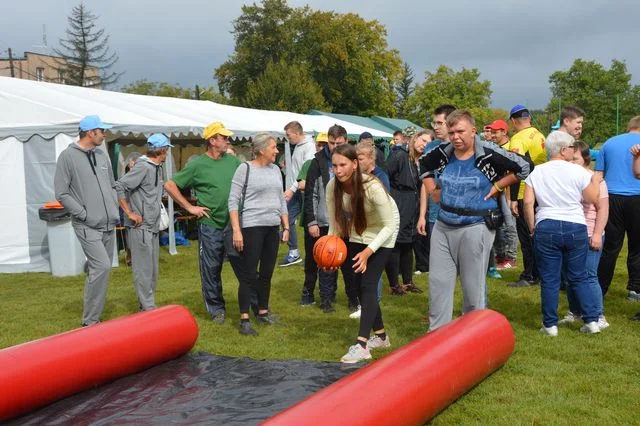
x: 172, y: 232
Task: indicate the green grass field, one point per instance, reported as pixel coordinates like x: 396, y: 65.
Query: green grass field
x: 571, y: 379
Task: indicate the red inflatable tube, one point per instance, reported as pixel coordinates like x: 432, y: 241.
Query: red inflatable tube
x: 37, y: 373
x: 412, y: 384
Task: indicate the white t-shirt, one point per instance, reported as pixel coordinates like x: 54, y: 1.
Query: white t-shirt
x: 558, y: 186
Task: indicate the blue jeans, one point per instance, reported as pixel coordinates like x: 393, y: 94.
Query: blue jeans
x: 294, y: 207
x: 593, y: 259
x: 557, y: 244
x: 211, y: 250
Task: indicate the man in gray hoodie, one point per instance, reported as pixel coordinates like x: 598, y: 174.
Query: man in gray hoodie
x: 140, y: 196
x: 85, y: 186
x: 304, y: 150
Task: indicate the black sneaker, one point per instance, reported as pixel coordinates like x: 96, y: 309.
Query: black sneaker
x: 307, y: 300
x: 218, y: 317
x: 267, y: 319
x: 327, y: 307
x: 522, y: 283
x: 247, y: 329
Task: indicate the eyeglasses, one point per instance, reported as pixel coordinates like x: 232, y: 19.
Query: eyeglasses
x: 436, y: 124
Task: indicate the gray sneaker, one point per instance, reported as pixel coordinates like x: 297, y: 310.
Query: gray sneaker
x: 268, y: 319
x: 247, y: 329
x: 376, y: 342
x: 522, y: 283
x: 218, y: 317
x: 634, y: 296
x: 570, y: 318
x: 356, y: 354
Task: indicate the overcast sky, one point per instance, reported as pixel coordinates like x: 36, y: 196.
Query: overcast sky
x: 515, y: 44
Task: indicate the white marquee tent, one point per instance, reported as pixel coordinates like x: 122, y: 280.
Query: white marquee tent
x: 39, y: 120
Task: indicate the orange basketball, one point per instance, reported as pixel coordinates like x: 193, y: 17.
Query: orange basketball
x: 329, y: 251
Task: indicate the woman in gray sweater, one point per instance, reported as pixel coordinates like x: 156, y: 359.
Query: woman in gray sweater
x: 255, y: 213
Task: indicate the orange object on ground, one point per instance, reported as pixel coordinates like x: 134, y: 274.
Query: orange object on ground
x: 329, y: 251
x: 42, y: 371
x: 414, y: 383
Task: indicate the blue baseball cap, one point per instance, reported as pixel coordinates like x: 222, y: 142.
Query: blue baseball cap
x: 520, y: 110
x: 556, y: 126
x: 158, y: 140
x: 91, y: 122
x: 365, y: 135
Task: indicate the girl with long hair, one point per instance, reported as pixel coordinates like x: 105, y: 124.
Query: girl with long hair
x: 361, y: 211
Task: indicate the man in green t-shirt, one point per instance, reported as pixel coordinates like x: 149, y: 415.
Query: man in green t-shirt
x: 210, y: 177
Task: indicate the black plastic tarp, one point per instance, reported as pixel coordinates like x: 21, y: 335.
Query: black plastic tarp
x: 195, y: 389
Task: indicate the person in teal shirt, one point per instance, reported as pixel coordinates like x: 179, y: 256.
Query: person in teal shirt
x: 210, y: 177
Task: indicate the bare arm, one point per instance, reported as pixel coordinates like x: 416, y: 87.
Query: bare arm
x: 501, y: 185
x: 592, y: 191
x: 602, y: 216
x: 529, y: 213
x: 424, y: 201
x: 429, y: 183
x: 635, y: 151
x: 174, y: 192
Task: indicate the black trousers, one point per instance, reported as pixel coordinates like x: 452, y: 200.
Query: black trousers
x: 623, y: 218
x: 327, y: 281
x: 530, y: 272
x: 366, y: 286
x: 400, y: 262
x: 254, y: 267
x: 421, y: 251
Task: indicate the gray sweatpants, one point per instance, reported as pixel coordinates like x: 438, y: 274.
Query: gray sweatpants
x: 144, y: 246
x: 464, y: 250
x: 98, y: 249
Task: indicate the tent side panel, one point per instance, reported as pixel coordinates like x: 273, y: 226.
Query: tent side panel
x: 40, y: 168
x: 14, y: 232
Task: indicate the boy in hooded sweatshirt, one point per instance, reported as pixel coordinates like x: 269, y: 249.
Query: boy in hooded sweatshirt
x: 140, y: 196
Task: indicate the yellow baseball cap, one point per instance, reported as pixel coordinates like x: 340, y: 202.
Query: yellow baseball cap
x: 322, y: 137
x: 215, y: 128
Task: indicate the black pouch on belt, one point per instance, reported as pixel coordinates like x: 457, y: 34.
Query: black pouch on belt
x: 494, y: 219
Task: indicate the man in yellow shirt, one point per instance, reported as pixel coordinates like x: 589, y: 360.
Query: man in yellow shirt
x: 529, y: 142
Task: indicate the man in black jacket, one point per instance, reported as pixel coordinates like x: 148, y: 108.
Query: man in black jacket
x: 316, y: 224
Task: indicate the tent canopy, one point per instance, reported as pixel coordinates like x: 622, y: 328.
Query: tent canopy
x: 47, y: 109
x: 383, y: 124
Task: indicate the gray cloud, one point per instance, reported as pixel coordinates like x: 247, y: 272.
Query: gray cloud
x: 515, y: 45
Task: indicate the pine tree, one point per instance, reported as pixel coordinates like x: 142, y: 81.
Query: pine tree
x: 86, y: 59
x: 404, y: 89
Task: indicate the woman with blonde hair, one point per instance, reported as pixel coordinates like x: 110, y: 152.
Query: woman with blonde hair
x: 402, y: 167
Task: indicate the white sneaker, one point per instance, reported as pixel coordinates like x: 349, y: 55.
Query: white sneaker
x: 602, y: 323
x: 569, y: 318
x: 590, y: 327
x: 356, y: 353
x: 356, y: 314
x: 376, y: 342
x: 550, y: 331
